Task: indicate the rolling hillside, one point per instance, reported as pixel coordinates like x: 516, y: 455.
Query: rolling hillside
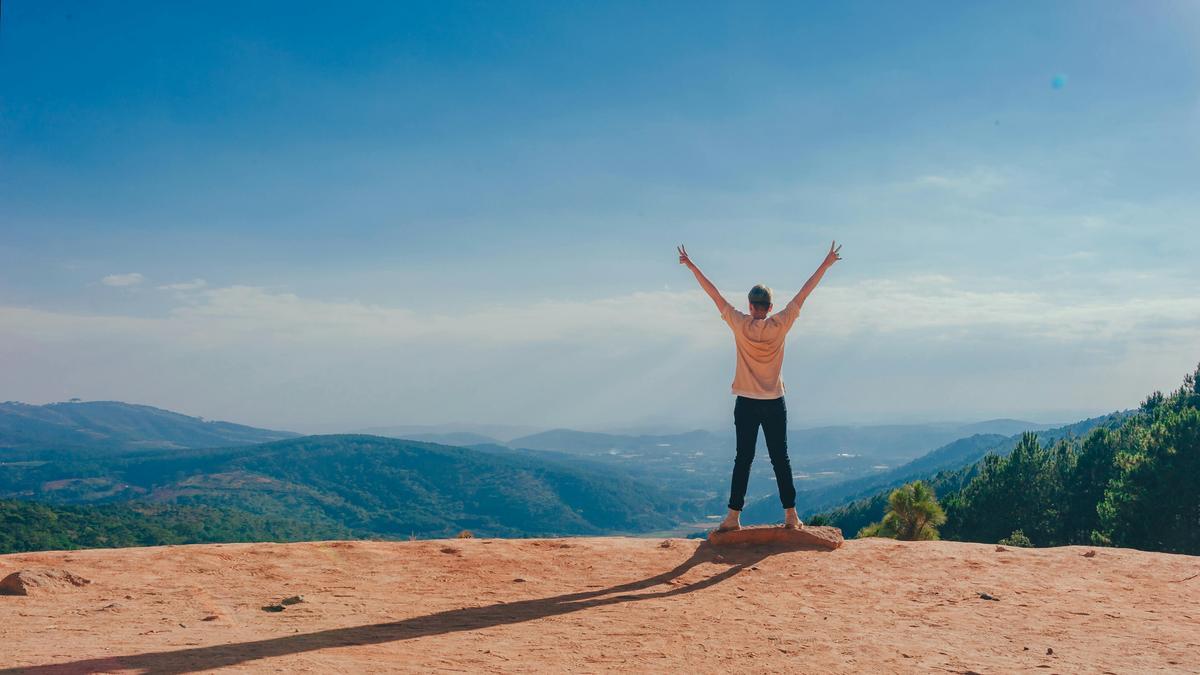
x: 34, y: 526
x: 556, y: 482
x: 868, y: 505
x: 888, y: 443
x: 948, y: 458
x: 102, y: 427
x: 368, y: 485
x: 699, y: 462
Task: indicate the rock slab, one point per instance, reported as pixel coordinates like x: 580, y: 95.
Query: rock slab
x: 33, y: 581
x: 820, y: 536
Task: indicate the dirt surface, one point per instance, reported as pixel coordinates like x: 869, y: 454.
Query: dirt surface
x: 600, y: 604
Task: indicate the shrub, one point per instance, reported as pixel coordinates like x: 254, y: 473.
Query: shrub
x: 1017, y: 538
x: 913, y: 514
x: 873, y: 530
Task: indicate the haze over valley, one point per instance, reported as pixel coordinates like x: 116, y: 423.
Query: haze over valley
x: 137, y: 459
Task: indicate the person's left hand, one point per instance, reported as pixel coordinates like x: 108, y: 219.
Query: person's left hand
x: 684, y: 259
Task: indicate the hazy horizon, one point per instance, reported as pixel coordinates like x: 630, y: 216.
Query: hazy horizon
x: 311, y: 219
x: 505, y: 432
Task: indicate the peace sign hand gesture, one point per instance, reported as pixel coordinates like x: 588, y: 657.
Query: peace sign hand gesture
x: 833, y: 255
x: 684, y: 259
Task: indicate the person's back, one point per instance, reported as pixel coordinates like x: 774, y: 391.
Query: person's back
x: 759, y: 340
x: 759, y: 344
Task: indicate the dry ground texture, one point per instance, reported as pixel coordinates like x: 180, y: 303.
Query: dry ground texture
x: 598, y: 604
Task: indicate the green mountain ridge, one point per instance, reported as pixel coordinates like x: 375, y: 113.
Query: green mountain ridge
x: 108, y: 427
x: 125, y: 464
x: 34, y: 526
x: 947, y: 458
x: 1133, y: 479
x: 368, y: 485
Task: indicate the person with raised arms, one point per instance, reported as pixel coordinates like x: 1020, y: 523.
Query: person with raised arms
x: 759, y: 340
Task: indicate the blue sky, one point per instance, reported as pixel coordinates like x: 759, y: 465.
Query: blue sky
x: 318, y: 217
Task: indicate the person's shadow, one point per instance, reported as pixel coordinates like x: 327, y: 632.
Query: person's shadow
x: 450, y: 621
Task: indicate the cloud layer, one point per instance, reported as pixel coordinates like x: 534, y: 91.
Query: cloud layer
x: 927, y: 346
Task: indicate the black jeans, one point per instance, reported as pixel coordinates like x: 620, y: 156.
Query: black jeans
x: 748, y: 414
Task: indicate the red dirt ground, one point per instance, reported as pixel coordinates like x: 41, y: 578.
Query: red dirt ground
x: 598, y: 604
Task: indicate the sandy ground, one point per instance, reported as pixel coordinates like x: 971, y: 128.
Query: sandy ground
x: 587, y: 605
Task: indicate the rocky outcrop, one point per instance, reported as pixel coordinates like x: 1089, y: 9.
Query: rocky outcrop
x: 34, y: 581
x: 783, y: 537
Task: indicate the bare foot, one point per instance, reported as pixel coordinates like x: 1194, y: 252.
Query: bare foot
x: 791, y: 520
x: 732, y: 521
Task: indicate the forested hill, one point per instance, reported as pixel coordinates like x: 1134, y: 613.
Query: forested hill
x: 949, y: 458
x: 1135, y: 483
x: 28, y: 431
x: 363, y: 485
x: 33, y: 526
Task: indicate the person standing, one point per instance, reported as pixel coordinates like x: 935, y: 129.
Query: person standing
x: 759, y: 340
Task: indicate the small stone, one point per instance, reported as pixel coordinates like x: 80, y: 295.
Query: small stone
x: 1090, y: 554
x: 1049, y: 651
x: 210, y: 617
x: 450, y: 550
x: 666, y: 544
x: 518, y: 580
x: 987, y: 596
x: 293, y: 600
x: 1000, y: 549
x: 273, y: 608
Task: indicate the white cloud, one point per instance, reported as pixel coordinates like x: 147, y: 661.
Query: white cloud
x: 931, y: 303
x: 131, y: 279
x: 936, y: 305
x: 973, y: 183
x: 874, y: 347
x: 193, y: 285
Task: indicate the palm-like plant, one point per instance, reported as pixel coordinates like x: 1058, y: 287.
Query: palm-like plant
x: 913, y: 513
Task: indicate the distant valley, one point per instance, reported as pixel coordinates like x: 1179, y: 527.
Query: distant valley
x: 174, y: 474
x: 697, y: 463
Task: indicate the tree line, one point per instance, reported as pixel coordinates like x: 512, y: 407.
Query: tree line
x: 1137, y: 486
x: 31, y: 526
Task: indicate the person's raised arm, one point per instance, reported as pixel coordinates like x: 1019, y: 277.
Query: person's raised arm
x: 830, y: 258
x: 704, y: 282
